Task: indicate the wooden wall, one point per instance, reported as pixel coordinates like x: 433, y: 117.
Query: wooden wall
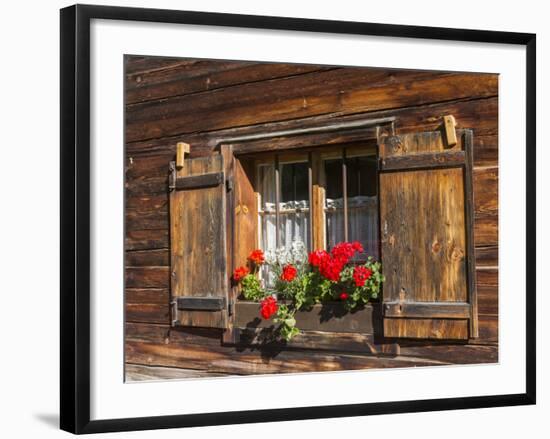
x: 199, y: 101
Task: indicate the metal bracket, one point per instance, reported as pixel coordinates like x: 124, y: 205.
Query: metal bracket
x: 229, y: 184
x: 172, y: 176
x: 174, y: 312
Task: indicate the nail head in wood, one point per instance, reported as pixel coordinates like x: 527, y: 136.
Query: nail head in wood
x: 450, y: 129
x: 182, y: 149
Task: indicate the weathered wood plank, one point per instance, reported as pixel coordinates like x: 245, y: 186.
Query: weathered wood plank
x: 486, y: 229
x: 147, y: 202
x: 139, y: 372
x: 318, y: 340
x: 487, y: 256
x: 147, y: 305
x: 300, y: 96
x: 156, y: 219
x: 197, y: 76
x: 258, y: 361
x: 146, y: 239
x: 487, y: 291
x: 486, y: 191
x: 481, y: 115
x: 427, y: 160
x: 434, y: 310
x: 147, y: 277
x: 453, y: 353
x: 140, y: 258
x: 488, y: 329
x: 143, y: 64
x: 429, y: 328
x: 164, y: 334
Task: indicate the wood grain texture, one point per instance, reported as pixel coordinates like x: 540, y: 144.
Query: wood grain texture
x: 259, y: 361
x: 300, y: 96
x: 317, y: 340
x: 195, y: 76
x: 478, y: 114
x: 425, y: 247
x: 139, y: 372
x: 423, y: 235
x: 198, y: 243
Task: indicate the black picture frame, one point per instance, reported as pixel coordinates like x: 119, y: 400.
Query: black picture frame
x: 75, y: 217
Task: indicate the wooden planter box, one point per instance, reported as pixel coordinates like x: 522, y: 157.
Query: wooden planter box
x: 326, y: 317
x: 327, y: 326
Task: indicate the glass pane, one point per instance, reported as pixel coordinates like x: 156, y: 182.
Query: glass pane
x: 334, y: 202
x: 362, y: 202
x: 267, y: 181
x: 333, y: 179
x: 294, y: 182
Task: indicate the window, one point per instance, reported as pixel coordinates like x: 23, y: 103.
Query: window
x: 345, y: 184
x: 408, y: 199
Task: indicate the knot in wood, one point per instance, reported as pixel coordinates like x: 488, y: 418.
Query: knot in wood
x: 457, y: 254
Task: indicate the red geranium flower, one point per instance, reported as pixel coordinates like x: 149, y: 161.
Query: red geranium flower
x: 331, y: 268
x: 257, y: 257
x: 268, y: 307
x: 239, y: 273
x: 357, y: 246
x: 343, y: 295
x: 360, y: 275
x: 289, y: 272
x: 317, y: 257
x: 342, y: 251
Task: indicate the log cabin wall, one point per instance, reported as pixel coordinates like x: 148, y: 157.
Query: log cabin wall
x: 199, y: 101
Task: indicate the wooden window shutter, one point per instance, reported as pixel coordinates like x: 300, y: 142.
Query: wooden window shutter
x: 426, y: 220
x: 198, y: 243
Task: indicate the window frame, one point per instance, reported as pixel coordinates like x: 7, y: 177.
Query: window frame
x: 315, y: 158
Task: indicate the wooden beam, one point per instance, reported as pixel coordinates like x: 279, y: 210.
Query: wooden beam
x: 433, y: 310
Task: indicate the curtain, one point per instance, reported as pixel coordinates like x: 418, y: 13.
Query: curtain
x: 362, y: 222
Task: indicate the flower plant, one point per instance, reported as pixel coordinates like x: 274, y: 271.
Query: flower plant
x: 298, y: 280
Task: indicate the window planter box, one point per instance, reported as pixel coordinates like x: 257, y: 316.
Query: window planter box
x: 327, y: 326
x: 326, y: 317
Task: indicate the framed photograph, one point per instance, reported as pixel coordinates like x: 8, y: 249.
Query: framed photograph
x: 341, y: 211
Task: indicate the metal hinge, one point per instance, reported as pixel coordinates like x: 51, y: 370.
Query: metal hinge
x: 229, y: 184
x: 230, y: 308
x: 174, y: 312
x: 172, y: 176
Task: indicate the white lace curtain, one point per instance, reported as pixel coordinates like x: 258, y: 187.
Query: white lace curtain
x: 294, y: 219
x: 362, y: 222
x: 293, y: 216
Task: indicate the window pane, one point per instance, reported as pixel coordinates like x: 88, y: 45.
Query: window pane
x: 267, y: 182
x: 362, y: 202
x: 293, y: 205
x: 334, y: 202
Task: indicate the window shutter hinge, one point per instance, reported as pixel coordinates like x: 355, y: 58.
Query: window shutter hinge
x: 172, y: 176
x: 229, y: 184
x: 174, y: 313
x: 230, y: 308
